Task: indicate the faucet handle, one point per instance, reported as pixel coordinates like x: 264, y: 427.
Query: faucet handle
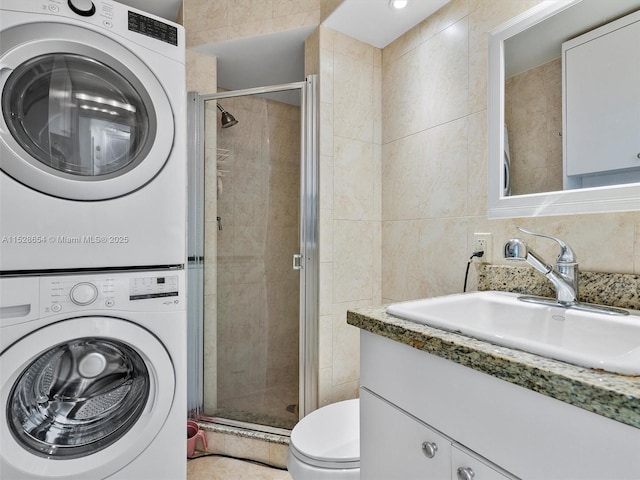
x: 566, y: 253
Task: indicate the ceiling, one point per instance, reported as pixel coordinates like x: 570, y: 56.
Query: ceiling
x: 278, y: 58
x: 375, y: 22
x: 273, y: 59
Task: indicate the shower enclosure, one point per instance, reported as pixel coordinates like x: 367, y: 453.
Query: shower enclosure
x: 253, y: 263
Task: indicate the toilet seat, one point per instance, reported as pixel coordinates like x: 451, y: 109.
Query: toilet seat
x: 329, y: 437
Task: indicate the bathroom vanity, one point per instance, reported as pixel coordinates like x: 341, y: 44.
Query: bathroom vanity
x: 436, y: 404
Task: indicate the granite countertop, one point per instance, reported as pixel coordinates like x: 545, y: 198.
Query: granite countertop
x: 613, y: 396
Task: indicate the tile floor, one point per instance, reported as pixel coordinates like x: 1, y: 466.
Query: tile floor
x: 223, y: 468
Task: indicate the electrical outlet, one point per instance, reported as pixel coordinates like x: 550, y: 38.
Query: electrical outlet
x: 482, y: 243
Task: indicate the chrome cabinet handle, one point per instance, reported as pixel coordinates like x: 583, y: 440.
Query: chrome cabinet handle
x: 429, y: 449
x: 465, y: 473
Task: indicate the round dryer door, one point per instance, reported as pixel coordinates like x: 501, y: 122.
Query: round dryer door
x: 84, y: 406
x: 83, y: 118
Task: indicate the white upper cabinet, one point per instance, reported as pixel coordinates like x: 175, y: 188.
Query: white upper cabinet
x: 601, y: 90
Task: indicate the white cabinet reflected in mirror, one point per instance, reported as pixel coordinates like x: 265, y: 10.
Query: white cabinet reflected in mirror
x: 591, y: 48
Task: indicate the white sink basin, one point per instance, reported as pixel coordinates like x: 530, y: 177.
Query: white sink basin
x: 587, y: 339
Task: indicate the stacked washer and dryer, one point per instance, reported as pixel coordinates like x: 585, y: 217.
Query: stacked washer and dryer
x: 92, y: 242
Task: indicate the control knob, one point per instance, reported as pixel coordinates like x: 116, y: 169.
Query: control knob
x: 84, y: 293
x: 86, y: 8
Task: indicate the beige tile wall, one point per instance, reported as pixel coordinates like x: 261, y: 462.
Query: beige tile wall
x: 210, y: 21
x: 350, y: 200
x: 533, y: 114
x: 434, y: 91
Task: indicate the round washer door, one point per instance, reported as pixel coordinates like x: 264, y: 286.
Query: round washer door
x: 83, y: 118
x: 82, y: 398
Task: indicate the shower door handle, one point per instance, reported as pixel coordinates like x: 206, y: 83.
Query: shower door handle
x: 297, y: 261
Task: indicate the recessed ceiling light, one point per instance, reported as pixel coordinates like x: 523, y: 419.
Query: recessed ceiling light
x: 398, y: 4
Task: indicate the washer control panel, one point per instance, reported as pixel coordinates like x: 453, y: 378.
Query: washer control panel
x: 153, y: 287
x: 133, y: 291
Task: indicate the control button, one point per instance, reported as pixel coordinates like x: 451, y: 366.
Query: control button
x: 56, y: 307
x: 86, y: 8
x: 108, y: 23
x: 84, y: 293
x: 109, y: 302
x: 54, y: 8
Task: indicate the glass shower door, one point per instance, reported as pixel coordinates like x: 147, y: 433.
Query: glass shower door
x: 257, y: 230
x: 254, y: 209
x: 253, y: 258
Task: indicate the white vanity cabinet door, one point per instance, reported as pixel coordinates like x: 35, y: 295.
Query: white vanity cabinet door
x: 526, y: 434
x: 602, y: 98
x: 467, y: 466
x: 391, y: 444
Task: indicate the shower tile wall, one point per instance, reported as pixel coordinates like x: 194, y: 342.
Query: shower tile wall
x: 210, y: 311
x: 257, y: 190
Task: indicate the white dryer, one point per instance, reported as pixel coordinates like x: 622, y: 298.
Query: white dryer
x: 92, y: 137
x: 93, y: 376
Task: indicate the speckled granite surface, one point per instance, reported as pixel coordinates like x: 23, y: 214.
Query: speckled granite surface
x: 614, y: 289
x: 245, y: 433
x: 613, y: 396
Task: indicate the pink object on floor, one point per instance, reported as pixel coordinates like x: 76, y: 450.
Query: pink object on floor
x: 193, y: 434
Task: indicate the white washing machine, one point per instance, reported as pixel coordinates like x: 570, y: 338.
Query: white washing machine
x: 92, y: 137
x: 93, y: 376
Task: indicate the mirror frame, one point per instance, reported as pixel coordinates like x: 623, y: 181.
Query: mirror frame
x: 614, y: 198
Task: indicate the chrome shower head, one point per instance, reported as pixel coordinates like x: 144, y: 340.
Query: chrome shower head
x: 227, y: 119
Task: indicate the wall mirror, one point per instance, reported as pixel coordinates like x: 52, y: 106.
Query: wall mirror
x: 538, y: 185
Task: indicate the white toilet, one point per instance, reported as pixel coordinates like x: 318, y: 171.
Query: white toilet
x: 325, y: 445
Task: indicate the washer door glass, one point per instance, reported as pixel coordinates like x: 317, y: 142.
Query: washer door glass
x: 83, y: 116
x: 76, y: 115
x: 78, y: 398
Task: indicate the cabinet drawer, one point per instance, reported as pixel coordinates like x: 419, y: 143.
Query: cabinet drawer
x: 467, y: 466
x: 395, y: 445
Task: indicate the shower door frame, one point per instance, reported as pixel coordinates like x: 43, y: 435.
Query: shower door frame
x: 309, y: 241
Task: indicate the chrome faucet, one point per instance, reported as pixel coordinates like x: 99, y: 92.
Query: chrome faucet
x: 565, y: 274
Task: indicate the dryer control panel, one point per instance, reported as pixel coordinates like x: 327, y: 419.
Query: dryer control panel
x: 146, y: 29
